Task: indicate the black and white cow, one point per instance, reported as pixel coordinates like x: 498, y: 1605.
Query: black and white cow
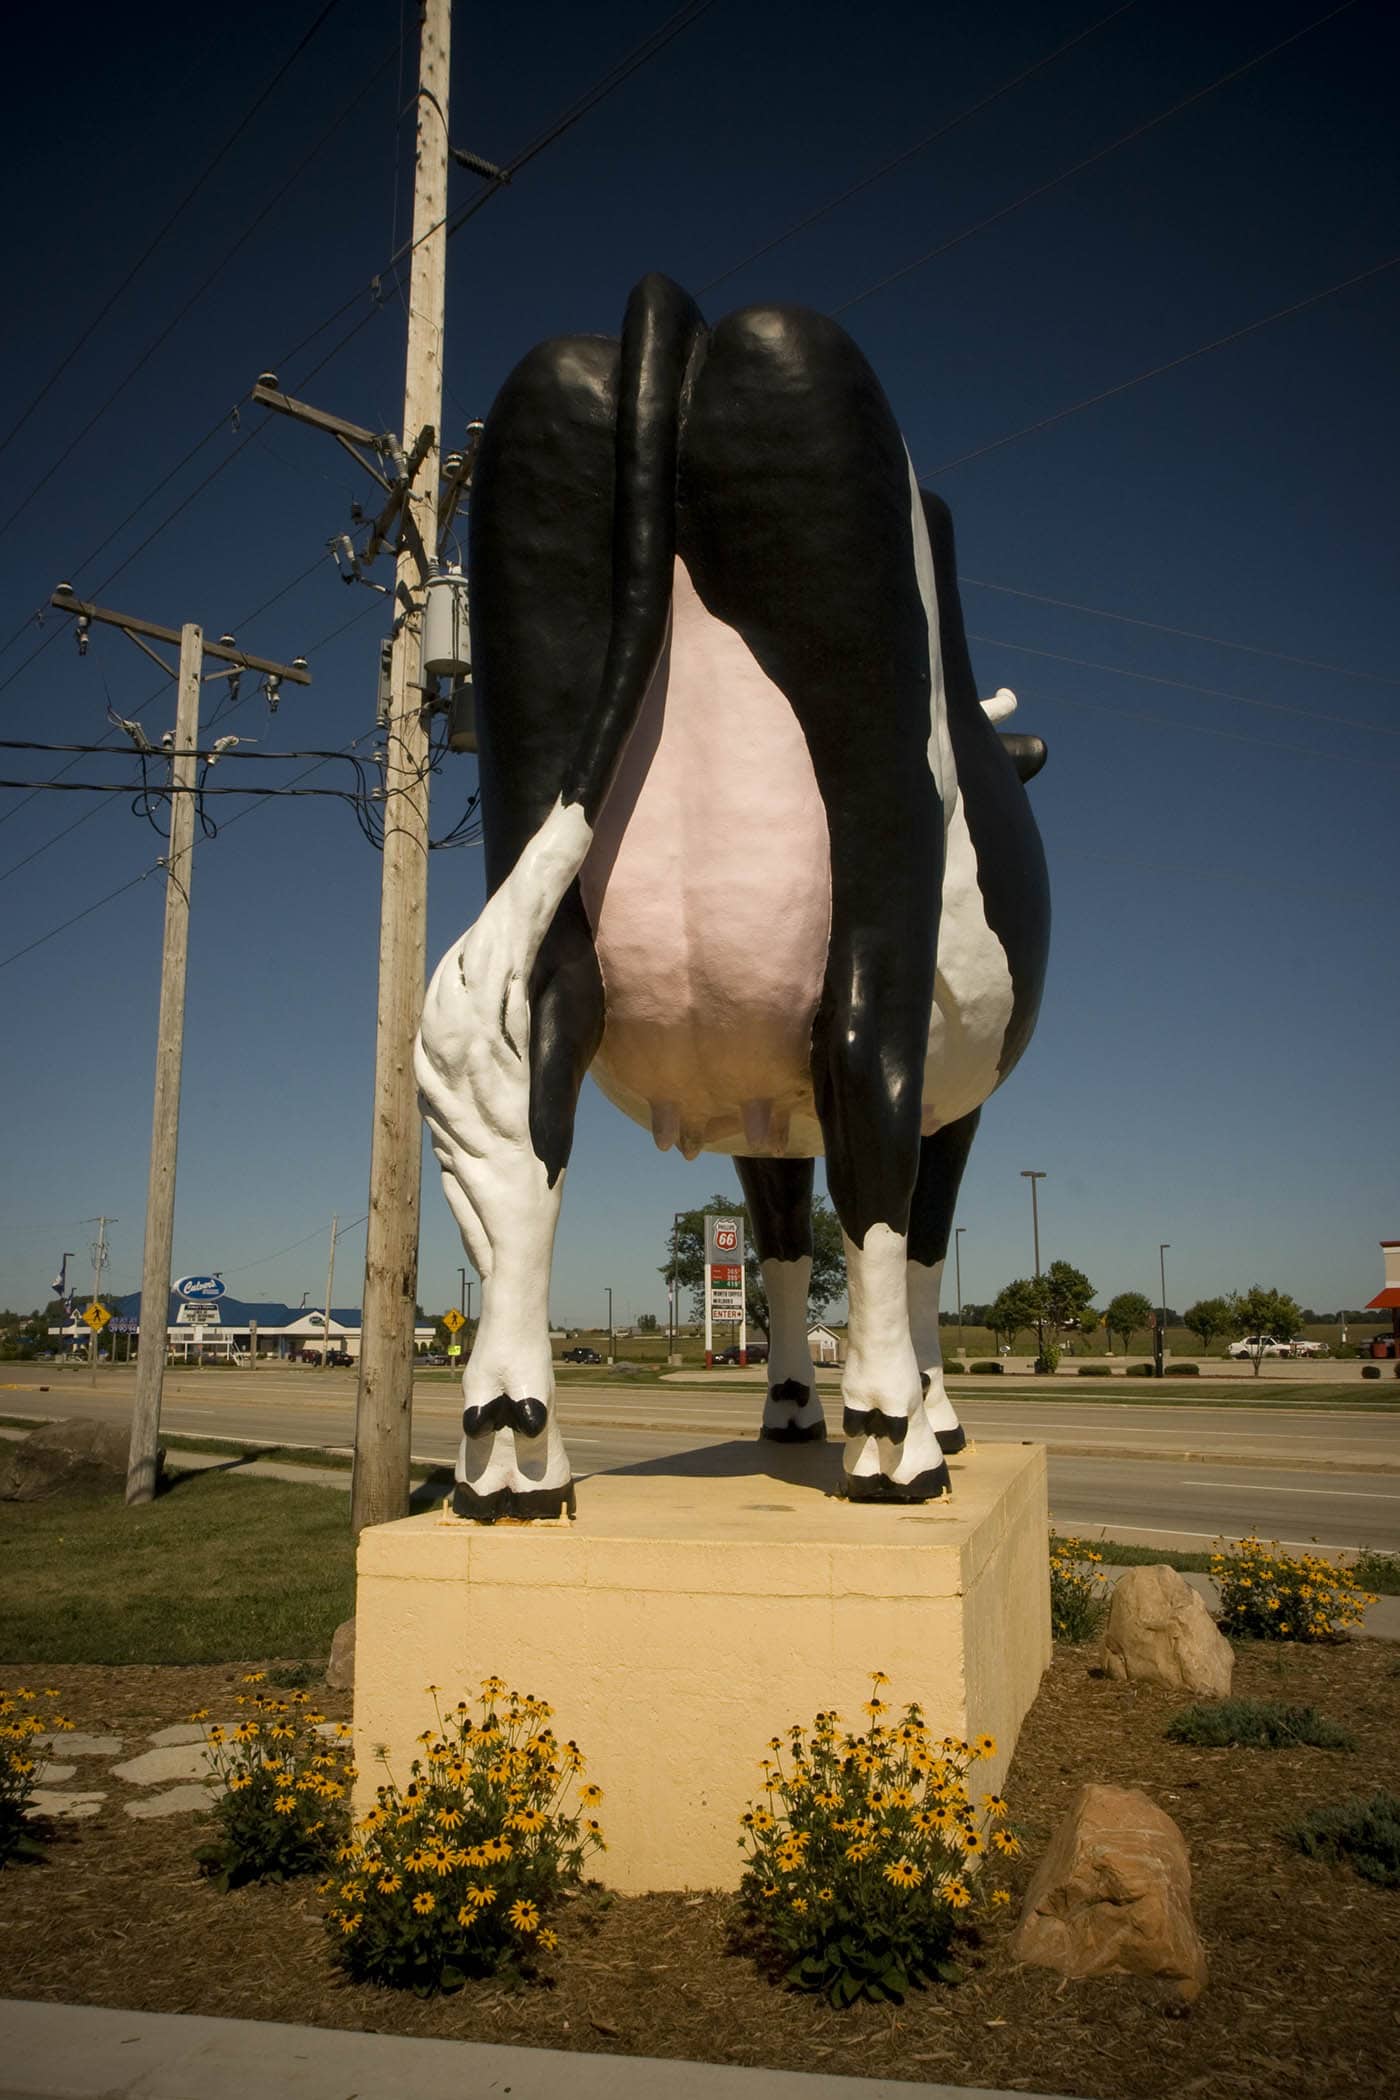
x: 756, y: 857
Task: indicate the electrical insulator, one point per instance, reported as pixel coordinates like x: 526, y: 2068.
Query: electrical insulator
x: 447, y: 649
x: 83, y: 623
x: 386, y: 679
x: 461, y: 720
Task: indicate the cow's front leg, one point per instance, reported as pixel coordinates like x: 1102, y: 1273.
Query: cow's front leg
x: 778, y: 1193
x: 942, y: 1158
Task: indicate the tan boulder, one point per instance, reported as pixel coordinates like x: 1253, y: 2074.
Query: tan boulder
x: 1112, y: 1896
x: 340, y: 1670
x: 75, y: 1455
x: 1160, y: 1632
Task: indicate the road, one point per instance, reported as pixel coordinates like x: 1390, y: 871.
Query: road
x: 1149, y: 1472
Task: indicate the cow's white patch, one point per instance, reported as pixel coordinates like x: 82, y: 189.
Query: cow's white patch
x: 472, y: 1064
x: 709, y: 891
x: 973, y: 996
x: 789, y: 1351
x: 881, y: 1368
x: 925, y: 1283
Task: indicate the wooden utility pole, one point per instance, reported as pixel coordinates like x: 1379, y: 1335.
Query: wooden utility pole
x: 170, y: 1048
x: 170, y: 1037
x: 384, y: 1399
x: 330, y: 1286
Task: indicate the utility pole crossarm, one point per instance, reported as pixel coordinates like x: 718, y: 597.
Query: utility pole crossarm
x: 65, y: 601
x: 351, y: 435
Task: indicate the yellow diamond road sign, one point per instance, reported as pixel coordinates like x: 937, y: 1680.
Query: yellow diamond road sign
x: 453, y: 1320
x: 97, y: 1317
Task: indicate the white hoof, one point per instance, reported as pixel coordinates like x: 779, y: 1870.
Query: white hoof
x: 882, y: 1467
x: 505, y: 1473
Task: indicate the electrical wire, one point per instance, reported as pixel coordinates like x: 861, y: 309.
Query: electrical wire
x: 1189, y: 634
x: 186, y: 200
x: 1173, y: 364
x: 1212, y: 692
x: 1091, y: 160
x: 85, y: 913
x: 1234, y: 736
x: 930, y: 138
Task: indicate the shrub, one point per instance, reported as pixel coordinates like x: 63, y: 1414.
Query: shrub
x: 283, y: 1809
x: 1255, y: 1724
x: 455, y: 1874
x: 1077, y: 1582
x: 952, y: 1366
x: 988, y: 1364
x: 1370, y: 1370
x: 1094, y: 1371
x: 1363, y: 1834
x: 1183, y: 1371
x: 1048, y: 1360
x: 1266, y: 1594
x: 857, y: 1861
x: 1378, y: 1571
x: 22, y: 1762
x: 1142, y: 1370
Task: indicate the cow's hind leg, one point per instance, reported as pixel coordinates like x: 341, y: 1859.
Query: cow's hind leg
x: 942, y: 1159
x: 515, y: 1011
x: 803, y: 531
x: 779, y: 1196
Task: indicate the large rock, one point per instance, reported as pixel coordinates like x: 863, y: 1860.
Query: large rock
x: 340, y: 1670
x: 1112, y: 1895
x: 60, y: 1457
x: 1160, y: 1632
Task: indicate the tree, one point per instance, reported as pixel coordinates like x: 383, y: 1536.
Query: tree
x: 828, y: 1261
x: 1209, y: 1317
x: 1018, y: 1304
x: 1259, y: 1313
x: 1068, y: 1292
x: 1128, y: 1314
x: 646, y: 1323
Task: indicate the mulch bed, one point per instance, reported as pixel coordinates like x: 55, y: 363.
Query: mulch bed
x: 1302, y: 1997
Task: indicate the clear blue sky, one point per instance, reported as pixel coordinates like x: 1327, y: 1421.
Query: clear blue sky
x: 1216, y: 1060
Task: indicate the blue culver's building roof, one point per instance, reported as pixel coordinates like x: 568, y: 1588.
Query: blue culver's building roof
x: 239, y: 1312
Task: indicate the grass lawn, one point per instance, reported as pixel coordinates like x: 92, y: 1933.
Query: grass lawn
x: 214, y: 1570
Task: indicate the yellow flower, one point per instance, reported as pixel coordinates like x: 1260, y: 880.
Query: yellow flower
x: 1005, y: 1843
x: 285, y: 1805
x: 878, y: 1677
x: 994, y: 1805
x: 523, y: 1916
x: 903, y: 1873
x: 957, y: 1894
x: 591, y: 1794
x: 799, y: 1904
x: 986, y: 1746
x: 1001, y: 1895
x: 352, y: 1923
x: 858, y: 1852
x: 547, y: 1938
x: 973, y: 1841
x: 390, y: 1885
x: 424, y: 1903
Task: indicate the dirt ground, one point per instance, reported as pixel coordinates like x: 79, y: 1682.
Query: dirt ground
x: 1303, y: 1998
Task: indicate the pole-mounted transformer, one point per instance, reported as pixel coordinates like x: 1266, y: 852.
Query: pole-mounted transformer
x: 447, y: 652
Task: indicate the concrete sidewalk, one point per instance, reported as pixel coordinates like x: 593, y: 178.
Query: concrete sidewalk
x: 85, y: 2052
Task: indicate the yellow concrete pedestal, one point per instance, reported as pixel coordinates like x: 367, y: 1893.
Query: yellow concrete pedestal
x: 700, y: 1605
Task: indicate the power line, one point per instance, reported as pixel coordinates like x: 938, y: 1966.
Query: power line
x: 242, y: 1268
x: 186, y: 200
x: 211, y: 277
x: 1091, y: 160
x: 1189, y: 634
x: 1234, y: 736
x: 1213, y: 692
x: 899, y: 160
x: 86, y: 912
x: 1221, y: 342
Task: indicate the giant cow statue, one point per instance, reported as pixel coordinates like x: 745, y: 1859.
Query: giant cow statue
x: 756, y: 857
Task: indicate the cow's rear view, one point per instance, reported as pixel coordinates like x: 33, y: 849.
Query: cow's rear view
x: 755, y: 853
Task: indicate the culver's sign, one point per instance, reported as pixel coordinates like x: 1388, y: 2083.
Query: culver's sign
x: 200, y: 1287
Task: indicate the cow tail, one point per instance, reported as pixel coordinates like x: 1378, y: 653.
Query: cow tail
x: 660, y: 330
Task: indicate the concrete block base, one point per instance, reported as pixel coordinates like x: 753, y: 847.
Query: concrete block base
x: 699, y: 1605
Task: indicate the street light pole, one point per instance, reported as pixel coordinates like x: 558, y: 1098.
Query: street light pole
x: 608, y: 1288
x: 462, y: 1306
x: 1033, y: 1175
x: 957, y: 1266
x: 1162, y: 1251
x: 674, y: 1350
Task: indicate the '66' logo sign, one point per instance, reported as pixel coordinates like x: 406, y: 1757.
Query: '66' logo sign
x: 724, y: 1239
x: 726, y: 1235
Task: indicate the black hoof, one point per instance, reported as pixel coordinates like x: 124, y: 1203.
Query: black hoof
x: 525, y: 1504
x: 792, y: 1391
x: 869, y: 1421
x: 873, y: 1487
x: 951, y: 1441
x: 792, y: 1433
x: 526, y: 1417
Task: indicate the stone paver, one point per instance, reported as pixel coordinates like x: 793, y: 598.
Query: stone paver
x: 175, y: 1761
x: 182, y: 1732
x: 63, y: 1807
x: 84, y: 1745
x: 54, y: 1775
x: 175, y: 1801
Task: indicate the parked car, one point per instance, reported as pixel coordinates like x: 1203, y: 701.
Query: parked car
x: 580, y: 1356
x: 338, y: 1359
x: 1252, y: 1345
x: 1301, y: 1346
x: 757, y: 1353
x: 434, y: 1360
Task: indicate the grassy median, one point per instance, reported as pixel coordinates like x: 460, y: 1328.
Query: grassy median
x: 214, y: 1570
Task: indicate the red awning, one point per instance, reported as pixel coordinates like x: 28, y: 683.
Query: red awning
x: 1388, y: 1297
